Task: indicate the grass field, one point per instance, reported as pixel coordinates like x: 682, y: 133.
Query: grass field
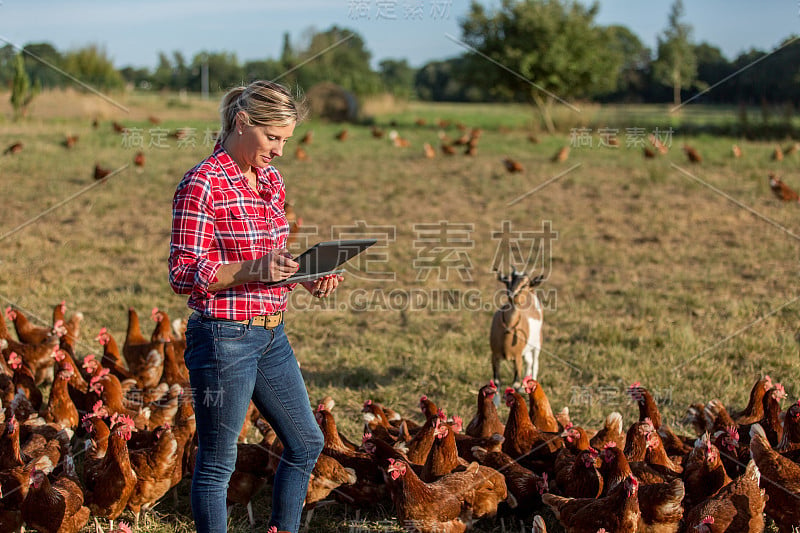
x: 677, y: 275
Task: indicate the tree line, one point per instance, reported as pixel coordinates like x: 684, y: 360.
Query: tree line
x: 537, y: 51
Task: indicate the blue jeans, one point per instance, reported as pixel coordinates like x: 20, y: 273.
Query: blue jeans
x: 230, y: 364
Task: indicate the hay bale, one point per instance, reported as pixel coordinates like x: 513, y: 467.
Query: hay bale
x: 329, y: 101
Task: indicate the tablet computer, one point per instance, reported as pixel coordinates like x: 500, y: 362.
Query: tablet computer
x: 325, y: 258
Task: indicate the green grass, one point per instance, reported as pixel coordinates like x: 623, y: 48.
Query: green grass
x: 680, y: 276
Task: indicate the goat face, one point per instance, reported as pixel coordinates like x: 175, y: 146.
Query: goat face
x: 516, y: 285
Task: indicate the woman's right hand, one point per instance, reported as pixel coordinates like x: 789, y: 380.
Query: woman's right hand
x: 275, y: 265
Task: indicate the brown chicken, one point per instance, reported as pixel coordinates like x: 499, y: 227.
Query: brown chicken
x: 523, y: 441
x: 486, y: 422
x: 60, y: 408
x: 512, y: 165
x: 301, y: 154
x: 738, y: 506
x: 789, y: 445
x: 249, y: 476
x: 539, y: 407
x: 100, y: 172
x: 13, y: 149
x: 308, y: 137
x: 580, y: 478
x: 342, y: 135
x: 108, y: 476
x: 781, y: 190
x: 736, y: 152
x: 692, y: 154
x: 777, y: 154
x: 443, y: 456
x: 117, y: 127
x: 139, y: 159
x: 611, y: 432
x: 703, y: 473
x: 524, y: 486
x: 425, y: 507
x: 56, y: 507
x: 27, y: 332
x: 328, y: 475
x: 648, y: 409
x: 561, y: 156
x: 153, y: 467
x: 428, y: 150
x: 618, y: 511
x: 780, y: 478
x: 38, y: 358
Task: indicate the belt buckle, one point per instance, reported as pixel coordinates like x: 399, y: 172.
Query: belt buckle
x: 268, y: 321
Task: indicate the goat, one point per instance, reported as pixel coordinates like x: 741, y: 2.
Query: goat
x: 516, y: 333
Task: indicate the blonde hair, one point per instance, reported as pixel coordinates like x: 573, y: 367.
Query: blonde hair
x: 264, y: 103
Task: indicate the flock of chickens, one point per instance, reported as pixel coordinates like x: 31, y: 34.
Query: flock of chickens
x: 127, y: 418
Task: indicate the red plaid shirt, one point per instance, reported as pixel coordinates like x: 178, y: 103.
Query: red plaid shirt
x: 218, y: 218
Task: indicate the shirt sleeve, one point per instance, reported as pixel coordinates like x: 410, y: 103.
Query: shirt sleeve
x: 190, y: 269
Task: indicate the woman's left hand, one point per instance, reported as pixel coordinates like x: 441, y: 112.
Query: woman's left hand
x: 324, y: 286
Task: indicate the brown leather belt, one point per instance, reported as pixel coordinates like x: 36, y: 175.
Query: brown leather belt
x: 261, y: 321
x: 264, y: 321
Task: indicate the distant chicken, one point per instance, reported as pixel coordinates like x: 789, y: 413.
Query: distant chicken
x: 430, y: 153
x: 342, y: 135
x: 376, y: 132
x: 13, y: 149
x: 308, y: 137
x: 301, y: 154
x: 398, y: 141
x: 692, y: 154
x: 512, y: 165
x: 791, y: 149
x: 70, y: 141
x: 648, y: 152
x: 295, y: 222
x: 448, y: 149
x: 561, y: 156
x: 152, y: 119
x: 777, y: 154
x: 138, y: 159
x: 781, y: 190
x: 119, y: 128
x: 100, y: 172
x: 736, y: 151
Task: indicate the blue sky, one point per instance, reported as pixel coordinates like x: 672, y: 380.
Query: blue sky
x: 133, y: 33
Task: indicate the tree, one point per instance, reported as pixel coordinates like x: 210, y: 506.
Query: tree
x: 634, y: 70
x: 92, y: 66
x: 397, y: 77
x: 39, y: 62
x: 21, y: 92
x: 338, y: 55
x: 676, y: 64
x: 542, y: 50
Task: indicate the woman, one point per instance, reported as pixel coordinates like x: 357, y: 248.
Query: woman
x: 228, y: 240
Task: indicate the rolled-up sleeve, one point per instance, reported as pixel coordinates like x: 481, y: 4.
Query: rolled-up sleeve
x: 190, y: 269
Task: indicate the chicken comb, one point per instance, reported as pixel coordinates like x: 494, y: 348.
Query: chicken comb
x: 154, y: 314
x: 89, y: 361
x: 14, y: 360
x: 124, y: 527
x: 321, y: 407
x: 9, y: 313
x: 365, y: 437
x: 101, y: 336
x: 367, y: 403
x: 708, y: 520
x: 733, y: 432
x: 58, y: 354
x: 509, y: 390
x: 492, y: 384
x: 610, y: 444
x: 98, y: 409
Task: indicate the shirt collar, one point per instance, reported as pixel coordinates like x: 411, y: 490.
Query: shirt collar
x: 233, y: 171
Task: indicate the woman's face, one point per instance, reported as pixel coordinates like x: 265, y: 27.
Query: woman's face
x: 259, y: 145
